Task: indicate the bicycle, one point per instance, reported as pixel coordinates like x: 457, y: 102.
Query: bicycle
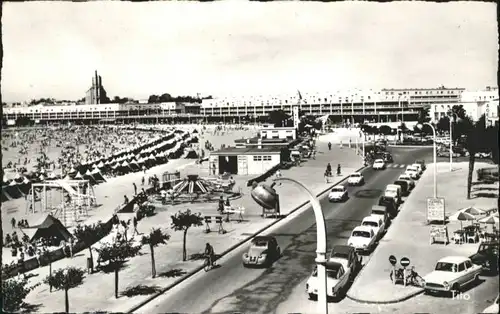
x: 412, y: 277
x: 207, y: 265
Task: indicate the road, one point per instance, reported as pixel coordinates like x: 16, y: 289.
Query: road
x: 280, y: 288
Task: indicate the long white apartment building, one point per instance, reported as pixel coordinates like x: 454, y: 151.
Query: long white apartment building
x: 386, y: 105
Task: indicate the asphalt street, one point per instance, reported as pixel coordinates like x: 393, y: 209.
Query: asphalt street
x: 281, y: 288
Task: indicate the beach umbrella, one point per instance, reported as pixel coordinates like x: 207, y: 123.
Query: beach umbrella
x: 473, y: 211
x: 490, y: 220
x: 26, y: 180
x: 12, y: 183
x: 52, y: 175
x: 41, y: 177
x: 17, y: 177
x: 88, y: 173
x: 461, y: 216
x: 94, y: 166
x: 100, y: 165
x: 79, y: 176
x: 73, y: 170
x: 42, y: 170
x: 67, y: 177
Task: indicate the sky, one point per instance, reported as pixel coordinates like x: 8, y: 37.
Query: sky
x: 51, y: 49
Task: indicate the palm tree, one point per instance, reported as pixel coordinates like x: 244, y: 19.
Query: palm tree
x: 474, y: 143
x: 153, y: 239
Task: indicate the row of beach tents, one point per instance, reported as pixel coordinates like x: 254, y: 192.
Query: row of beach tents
x: 155, y: 152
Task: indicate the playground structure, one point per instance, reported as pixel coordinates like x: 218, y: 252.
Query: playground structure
x: 66, y: 200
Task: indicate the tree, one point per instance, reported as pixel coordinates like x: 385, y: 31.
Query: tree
x: 279, y: 118
x: 65, y: 279
x: 443, y: 124
x: 182, y: 221
x: 474, y: 143
x: 423, y: 115
x: 385, y: 129
x: 116, y: 254
x: 459, y: 111
x: 89, y: 234
x: 45, y: 257
x: 153, y: 239
x: 14, y: 291
x: 461, y: 127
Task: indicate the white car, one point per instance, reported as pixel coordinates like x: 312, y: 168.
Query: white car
x: 337, y: 277
x: 412, y: 173
x: 451, y: 274
x: 407, y: 178
x: 362, y: 239
x: 378, y: 164
x: 494, y: 308
x: 338, y: 193
x: 356, y: 179
x: 375, y: 223
x: 418, y: 167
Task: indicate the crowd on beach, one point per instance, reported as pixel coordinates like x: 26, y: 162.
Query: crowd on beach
x: 64, y: 147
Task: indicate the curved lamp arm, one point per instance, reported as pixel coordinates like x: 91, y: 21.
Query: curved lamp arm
x: 318, y: 214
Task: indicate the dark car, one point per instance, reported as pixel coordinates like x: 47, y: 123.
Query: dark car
x: 388, y: 157
x: 487, y: 175
x: 404, y: 187
x: 390, y: 205
x: 348, y: 253
x: 263, y: 251
x: 487, y: 256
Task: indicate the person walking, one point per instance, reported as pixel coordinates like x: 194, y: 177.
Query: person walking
x: 135, y: 188
x: 13, y: 223
x: 142, y: 181
x: 135, y: 226
x: 329, y: 146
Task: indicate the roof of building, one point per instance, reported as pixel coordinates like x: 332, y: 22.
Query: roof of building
x: 254, y: 140
x: 246, y: 151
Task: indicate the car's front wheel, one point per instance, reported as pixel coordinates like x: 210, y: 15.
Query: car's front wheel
x: 312, y: 296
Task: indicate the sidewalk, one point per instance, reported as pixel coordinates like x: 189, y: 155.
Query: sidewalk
x: 408, y: 236
x: 97, y: 291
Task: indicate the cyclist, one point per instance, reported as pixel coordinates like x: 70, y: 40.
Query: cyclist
x: 209, y: 252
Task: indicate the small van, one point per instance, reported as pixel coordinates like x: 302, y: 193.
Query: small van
x: 394, y: 191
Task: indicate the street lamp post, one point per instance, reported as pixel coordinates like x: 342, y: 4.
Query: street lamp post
x: 267, y: 197
x: 420, y: 126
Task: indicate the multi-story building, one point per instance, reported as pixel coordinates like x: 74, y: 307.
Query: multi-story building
x: 96, y: 93
x: 356, y: 106
x: 475, y: 104
x: 346, y: 106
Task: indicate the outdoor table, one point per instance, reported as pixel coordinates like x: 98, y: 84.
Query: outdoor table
x: 491, y: 236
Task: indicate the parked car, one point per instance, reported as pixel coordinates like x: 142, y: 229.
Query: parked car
x: 263, y: 251
x: 412, y: 172
x: 362, y: 239
x: 494, y: 308
x: 390, y: 204
x: 337, y: 278
x: 338, y: 194
x: 404, y: 187
x: 488, y: 175
x: 487, y: 256
x: 451, y: 274
x: 394, y: 191
x: 422, y: 164
x: 347, y: 256
x: 418, y: 167
x: 445, y: 152
x: 482, y: 155
x: 409, y: 180
x: 376, y: 224
x: 378, y: 164
x: 381, y: 213
x: 356, y: 179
